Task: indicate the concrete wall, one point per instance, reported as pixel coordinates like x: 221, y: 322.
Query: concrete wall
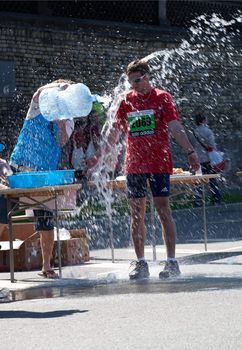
x: 44, y: 50
x: 223, y: 223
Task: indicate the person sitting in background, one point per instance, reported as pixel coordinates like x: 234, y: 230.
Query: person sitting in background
x: 38, y: 148
x: 85, y: 139
x: 201, y: 138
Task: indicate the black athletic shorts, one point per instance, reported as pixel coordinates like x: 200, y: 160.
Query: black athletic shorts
x: 44, y: 218
x: 137, y: 185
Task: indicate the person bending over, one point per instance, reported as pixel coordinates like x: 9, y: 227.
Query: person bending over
x: 38, y: 148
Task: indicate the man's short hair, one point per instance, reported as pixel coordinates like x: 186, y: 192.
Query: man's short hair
x: 199, y: 119
x: 138, y: 66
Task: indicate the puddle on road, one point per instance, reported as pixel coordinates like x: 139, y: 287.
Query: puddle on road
x: 181, y: 285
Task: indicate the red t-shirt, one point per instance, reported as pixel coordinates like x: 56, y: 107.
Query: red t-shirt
x: 144, y: 120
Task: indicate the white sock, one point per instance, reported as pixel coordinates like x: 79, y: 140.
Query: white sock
x: 171, y: 259
x: 141, y: 259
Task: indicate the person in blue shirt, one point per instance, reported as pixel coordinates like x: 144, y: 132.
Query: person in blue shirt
x: 38, y: 148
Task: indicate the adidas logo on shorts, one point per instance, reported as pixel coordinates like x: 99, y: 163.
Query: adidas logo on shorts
x: 165, y: 189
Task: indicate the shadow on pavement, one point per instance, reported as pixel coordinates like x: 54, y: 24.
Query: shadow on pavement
x: 32, y: 314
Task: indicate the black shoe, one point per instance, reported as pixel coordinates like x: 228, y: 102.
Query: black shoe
x: 140, y: 271
x: 171, y: 269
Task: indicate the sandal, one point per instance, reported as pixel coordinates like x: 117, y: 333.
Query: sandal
x: 49, y: 274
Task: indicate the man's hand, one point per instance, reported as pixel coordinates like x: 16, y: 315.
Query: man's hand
x: 193, y: 161
x: 179, y: 133
x: 91, y: 164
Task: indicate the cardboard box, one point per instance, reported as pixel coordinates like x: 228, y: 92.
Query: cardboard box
x: 84, y: 241
x: 78, y: 233
x: 27, y: 256
x: 20, y: 231
x: 71, y: 252
x: 74, y: 251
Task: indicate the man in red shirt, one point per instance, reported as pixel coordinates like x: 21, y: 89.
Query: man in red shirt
x: 146, y: 115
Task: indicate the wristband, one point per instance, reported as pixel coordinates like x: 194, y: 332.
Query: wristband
x: 190, y: 152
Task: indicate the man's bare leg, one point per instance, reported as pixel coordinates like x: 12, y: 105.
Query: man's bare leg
x: 137, y: 207
x: 162, y: 206
x: 163, y: 209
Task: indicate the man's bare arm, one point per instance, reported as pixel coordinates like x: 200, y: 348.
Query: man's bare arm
x: 181, y: 138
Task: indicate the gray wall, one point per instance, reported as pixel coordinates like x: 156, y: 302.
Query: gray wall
x: 223, y: 222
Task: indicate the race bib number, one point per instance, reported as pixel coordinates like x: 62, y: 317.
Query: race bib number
x: 141, y: 123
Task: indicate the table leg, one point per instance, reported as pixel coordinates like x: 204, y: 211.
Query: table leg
x: 111, y: 237
x: 152, y: 222
x: 205, y: 230
x: 58, y: 236
x: 10, y: 237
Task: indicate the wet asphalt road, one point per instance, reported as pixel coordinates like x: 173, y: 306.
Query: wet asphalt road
x: 192, y: 312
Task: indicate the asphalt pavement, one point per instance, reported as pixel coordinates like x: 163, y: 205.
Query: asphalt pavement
x: 95, y: 306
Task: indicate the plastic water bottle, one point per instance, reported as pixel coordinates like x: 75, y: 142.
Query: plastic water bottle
x: 1, y: 147
x: 199, y: 171
x: 75, y: 101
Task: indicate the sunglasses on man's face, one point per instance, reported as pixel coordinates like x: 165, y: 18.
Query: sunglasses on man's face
x: 137, y: 80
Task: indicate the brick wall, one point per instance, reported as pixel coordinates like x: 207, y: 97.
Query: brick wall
x: 96, y: 54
